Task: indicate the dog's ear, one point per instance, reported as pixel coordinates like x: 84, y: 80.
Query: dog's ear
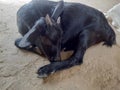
x: 58, y: 10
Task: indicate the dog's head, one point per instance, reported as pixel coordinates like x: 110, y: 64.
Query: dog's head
x: 46, y: 34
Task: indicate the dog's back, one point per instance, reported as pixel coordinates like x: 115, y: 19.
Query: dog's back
x: 77, y: 17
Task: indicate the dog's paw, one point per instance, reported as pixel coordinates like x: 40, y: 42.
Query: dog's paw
x: 17, y: 41
x: 27, y: 47
x: 45, y: 71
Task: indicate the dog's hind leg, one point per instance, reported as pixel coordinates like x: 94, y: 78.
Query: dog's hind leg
x: 109, y: 36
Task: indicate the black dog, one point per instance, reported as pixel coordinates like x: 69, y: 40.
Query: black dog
x: 52, y: 27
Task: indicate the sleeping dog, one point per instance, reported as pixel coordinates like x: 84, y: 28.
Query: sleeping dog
x: 55, y: 26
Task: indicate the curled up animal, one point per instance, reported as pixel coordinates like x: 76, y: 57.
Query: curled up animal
x: 53, y: 26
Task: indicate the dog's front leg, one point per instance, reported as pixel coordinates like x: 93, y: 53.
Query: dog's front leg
x: 75, y: 59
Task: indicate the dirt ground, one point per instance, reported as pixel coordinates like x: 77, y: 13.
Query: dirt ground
x: 100, y: 70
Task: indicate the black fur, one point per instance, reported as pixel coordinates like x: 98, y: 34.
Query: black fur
x: 80, y: 27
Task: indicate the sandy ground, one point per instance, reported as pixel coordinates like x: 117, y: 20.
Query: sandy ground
x: 100, y: 70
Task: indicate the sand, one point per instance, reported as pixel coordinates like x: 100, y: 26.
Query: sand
x: 100, y: 70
